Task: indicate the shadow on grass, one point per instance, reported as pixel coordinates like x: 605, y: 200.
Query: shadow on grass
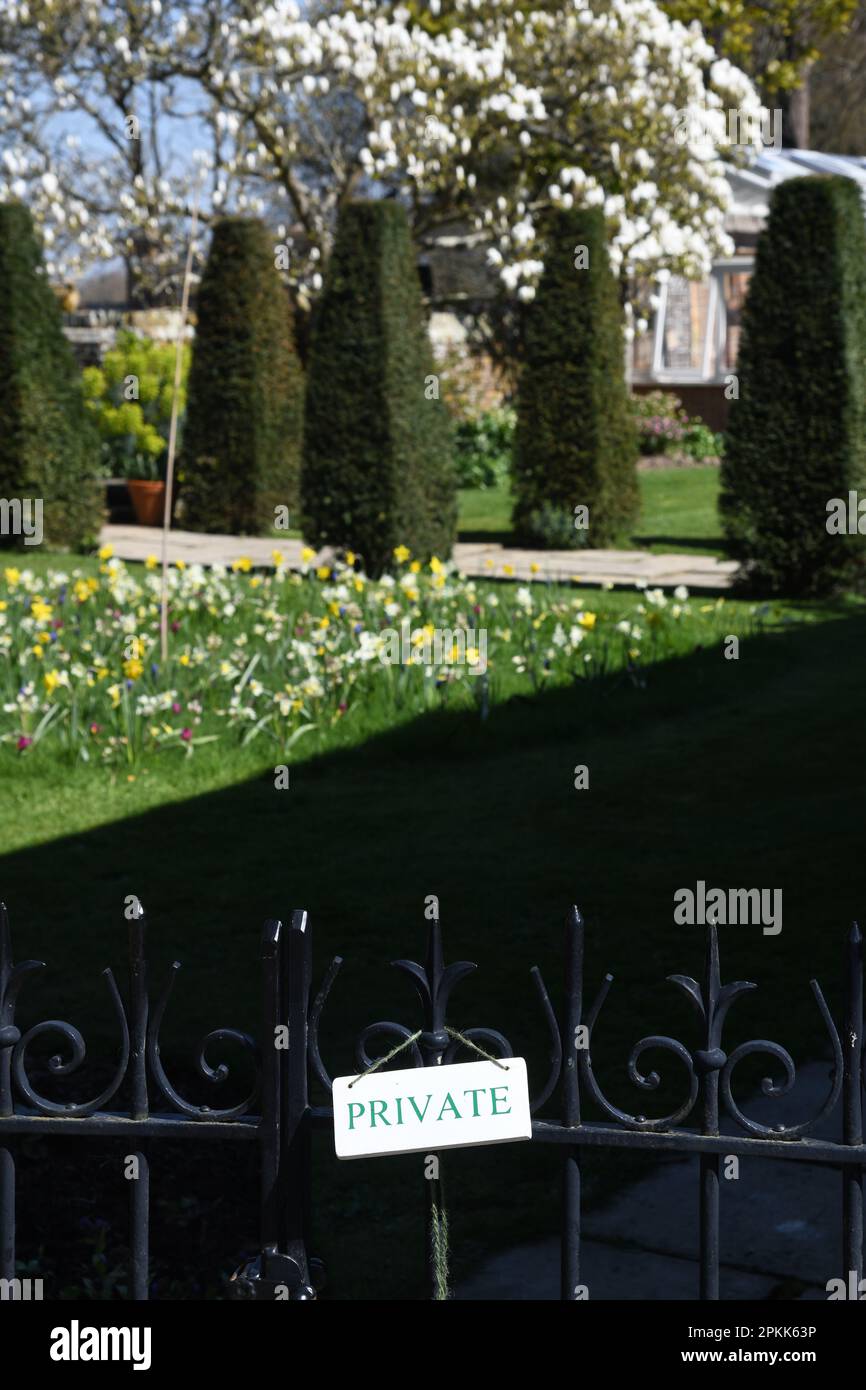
x: 715, y: 544
x: 505, y: 537
x: 746, y: 773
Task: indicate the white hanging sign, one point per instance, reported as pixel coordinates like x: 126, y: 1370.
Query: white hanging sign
x: 421, y: 1109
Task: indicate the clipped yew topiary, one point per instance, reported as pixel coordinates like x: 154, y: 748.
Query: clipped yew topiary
x: 796, y: 436
x: 377, y: 467
x: 242, y: 434
x: 575, y: 444
x: 49, y: 452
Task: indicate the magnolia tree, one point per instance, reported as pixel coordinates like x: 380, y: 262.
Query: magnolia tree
x: 117, y: 117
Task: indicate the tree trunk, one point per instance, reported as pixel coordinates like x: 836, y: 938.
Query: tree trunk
x: 799, y: 108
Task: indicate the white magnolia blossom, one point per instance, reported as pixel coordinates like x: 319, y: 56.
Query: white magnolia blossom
x: 592, y: 103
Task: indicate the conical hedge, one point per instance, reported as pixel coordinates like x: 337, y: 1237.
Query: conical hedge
x: 575, y: 443
x: 796, y: 436
x: 242, y: 435
x: 377, y: 469
x: 49, y: 451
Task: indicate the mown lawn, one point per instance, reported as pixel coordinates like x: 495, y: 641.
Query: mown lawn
x: 742, y: 773
x: 678, y: 512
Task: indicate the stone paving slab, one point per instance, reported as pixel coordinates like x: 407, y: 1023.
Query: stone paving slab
x: 627, y: 567
x: 780, y: 1225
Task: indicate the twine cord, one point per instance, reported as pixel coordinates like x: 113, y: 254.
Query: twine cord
x: 438, y: 1233
x: 407, y: 1042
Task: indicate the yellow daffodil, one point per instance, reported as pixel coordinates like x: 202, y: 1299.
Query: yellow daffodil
x: 508, y: 569
x: 3, y: 606
x: 323, y: 572
x: 41, y: 610
x: 415, y: 567
x: 184, y: 658
x: 133, y: 668
x: 105, y: 552
x: 151, y: 562
x: 401, y: 554
x: 278, y: 557
x: 587, y: 620
x: 180, y: 564
x: 436, y: 565
x: 307, y: 554
x: 534, y: 567
x: 37, y: 652
x: 52, y: 679
x: 115, y: 693
x: 12, y: 576
x: 244, y: 564
x: 351, y: 557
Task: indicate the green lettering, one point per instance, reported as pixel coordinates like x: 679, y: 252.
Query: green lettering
x: 475, y: 1093
x: 355, y: 1105
x: 448, y: 1104
x: 399, y: 1110
x: 495, y: 1100
x: 384, y: 1107
x: 420, y: 1113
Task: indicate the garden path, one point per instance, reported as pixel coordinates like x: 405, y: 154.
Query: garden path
x: 481, y: 560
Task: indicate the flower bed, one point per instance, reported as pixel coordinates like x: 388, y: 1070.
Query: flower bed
x: 272, y: 656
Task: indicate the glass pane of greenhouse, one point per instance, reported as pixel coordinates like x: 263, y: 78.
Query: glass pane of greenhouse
x: 686, y: 323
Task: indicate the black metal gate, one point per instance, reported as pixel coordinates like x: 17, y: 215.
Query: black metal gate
x: 278, y: 1117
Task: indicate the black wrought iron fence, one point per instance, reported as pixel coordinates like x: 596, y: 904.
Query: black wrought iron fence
x: 278, y: 1117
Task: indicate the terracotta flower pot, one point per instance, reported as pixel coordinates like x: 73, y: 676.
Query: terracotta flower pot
x: 148, y: 500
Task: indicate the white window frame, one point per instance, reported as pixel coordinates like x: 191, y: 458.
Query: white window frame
x: 714, y: 337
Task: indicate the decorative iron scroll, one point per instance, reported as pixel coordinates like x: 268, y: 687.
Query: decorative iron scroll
x: 139, y: 1050
x: 434, y: 982
x: 708, y: 1069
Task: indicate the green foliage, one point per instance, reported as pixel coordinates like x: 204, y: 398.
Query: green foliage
x: 133, y: 417
x: 48, y: 450
x: 377, y: 467
x: 702, y: 443
x: 774, y: 43
x: 553, y: 528
x: 241, y: 454
x: 796, y: 436
x: 482, y: 448
x: 575, y: 442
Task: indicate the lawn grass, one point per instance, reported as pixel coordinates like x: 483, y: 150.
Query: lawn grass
x: 678, y: 513
x: 742, y: 773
